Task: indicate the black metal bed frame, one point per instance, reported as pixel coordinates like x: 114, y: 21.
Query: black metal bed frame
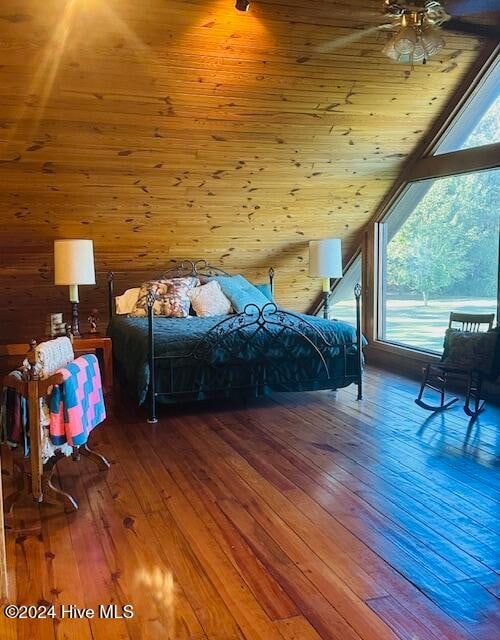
x: 245, y: 341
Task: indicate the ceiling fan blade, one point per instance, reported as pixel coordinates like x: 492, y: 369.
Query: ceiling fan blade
x: 472, y: 28
x: 343, y: 41
x: 467, y: 7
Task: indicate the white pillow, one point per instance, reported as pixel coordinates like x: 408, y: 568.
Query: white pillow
x: 208, y: 300
x: 126, y: 302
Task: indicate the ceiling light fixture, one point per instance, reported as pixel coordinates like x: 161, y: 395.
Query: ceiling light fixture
x: 242, y: 5
x: 417, y: 37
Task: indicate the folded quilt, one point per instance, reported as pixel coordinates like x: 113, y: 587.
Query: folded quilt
x: 77, y: 405
x: 52, y: 355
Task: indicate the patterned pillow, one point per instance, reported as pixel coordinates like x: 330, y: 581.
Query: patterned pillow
x: 172, y: 297
x: 208, y: 300
x: 469, y: 350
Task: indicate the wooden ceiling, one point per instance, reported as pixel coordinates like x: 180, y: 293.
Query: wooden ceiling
x: 184, y: 128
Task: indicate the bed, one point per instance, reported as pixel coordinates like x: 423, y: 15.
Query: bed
x: 261, y: 349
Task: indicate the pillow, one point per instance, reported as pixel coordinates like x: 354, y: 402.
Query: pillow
x: 208, y: 300
x: 470, y: 350
x: 265, y: 288
x: 126, y: 302
x: 241, y: 292
x: 172, y: 297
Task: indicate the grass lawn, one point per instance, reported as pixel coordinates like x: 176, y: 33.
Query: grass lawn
x: 410, y: 322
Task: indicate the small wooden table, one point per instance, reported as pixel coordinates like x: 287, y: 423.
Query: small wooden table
x: 98, y: 342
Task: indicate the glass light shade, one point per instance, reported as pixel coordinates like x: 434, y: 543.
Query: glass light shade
x: 432, y: 41
x: 405, y: 40
x: 74, y: 262
x: 418, y: 53
x: 325, y: 258
x: 389, y: 50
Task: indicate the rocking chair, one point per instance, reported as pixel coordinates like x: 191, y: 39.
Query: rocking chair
x: 471, y: 357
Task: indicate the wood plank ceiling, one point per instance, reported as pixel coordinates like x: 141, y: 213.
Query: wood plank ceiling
x: 184, y: 128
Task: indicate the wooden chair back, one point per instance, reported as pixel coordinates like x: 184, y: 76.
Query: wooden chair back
x: 471, y: 321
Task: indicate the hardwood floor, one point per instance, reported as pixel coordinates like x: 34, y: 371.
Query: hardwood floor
x: 297, y: 517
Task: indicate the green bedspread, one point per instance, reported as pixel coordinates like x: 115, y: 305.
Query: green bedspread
x: 291, y: 363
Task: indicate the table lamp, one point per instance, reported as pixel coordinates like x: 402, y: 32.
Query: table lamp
x: 74, y: 265
x: 325, y: 261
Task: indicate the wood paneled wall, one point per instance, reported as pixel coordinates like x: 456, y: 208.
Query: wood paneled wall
x: 183, y: 128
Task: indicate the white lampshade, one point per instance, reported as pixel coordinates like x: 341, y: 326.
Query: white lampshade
x: 74, y: 262
x: 325, y: 258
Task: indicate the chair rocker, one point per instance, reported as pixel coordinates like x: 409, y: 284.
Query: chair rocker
x: 436, y: 376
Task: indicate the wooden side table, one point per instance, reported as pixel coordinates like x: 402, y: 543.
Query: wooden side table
x: 98, y: 342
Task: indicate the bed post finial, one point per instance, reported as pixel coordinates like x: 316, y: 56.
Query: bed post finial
x: 271, y: 279
x: 111, y: 306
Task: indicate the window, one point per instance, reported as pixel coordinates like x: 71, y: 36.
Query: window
x: 439, y: 243
x: 440, y: 253
x: 479, y: 121
x: 343, y: 302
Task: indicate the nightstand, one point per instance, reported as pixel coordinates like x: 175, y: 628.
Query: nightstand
x: 104, y: 351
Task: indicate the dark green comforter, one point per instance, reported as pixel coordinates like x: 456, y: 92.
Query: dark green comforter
x: 195, y: 364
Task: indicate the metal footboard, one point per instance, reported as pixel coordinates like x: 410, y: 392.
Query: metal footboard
x: 245, y: 351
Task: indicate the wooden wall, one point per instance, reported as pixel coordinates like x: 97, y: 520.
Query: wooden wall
x: 183, y: 128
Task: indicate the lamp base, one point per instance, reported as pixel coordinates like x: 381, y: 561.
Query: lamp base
x: 75, y: 320
x: 326, y: 305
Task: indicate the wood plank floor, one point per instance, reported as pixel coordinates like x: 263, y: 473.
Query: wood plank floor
x: 297, y: 517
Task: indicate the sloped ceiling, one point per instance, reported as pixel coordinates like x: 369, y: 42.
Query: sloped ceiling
x: 177, y: 128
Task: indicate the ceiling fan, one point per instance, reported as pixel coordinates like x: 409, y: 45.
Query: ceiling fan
x: 416, y: 26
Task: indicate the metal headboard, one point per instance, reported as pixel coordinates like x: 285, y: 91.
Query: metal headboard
x: 182, y: 268
x: 186, y: 268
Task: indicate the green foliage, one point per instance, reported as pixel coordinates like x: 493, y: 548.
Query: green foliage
x: 449, y: 243
x: 487, y: 129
